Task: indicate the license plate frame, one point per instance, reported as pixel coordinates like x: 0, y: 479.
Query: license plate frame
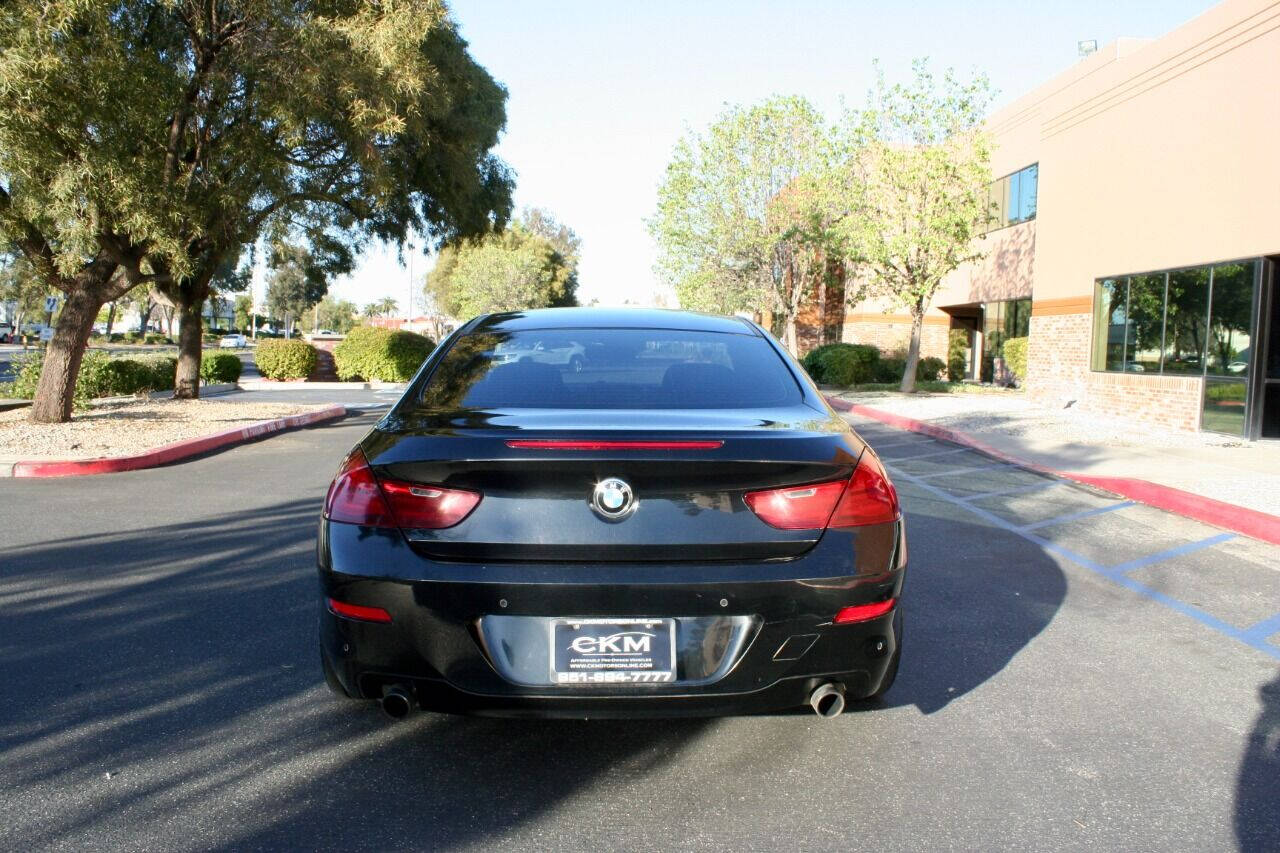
x: 612, y: 651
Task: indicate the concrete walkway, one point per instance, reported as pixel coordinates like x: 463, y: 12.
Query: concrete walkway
x: 1246, y: 474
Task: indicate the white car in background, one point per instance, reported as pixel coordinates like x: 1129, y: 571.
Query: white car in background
x: 233, y: 342
x: 548, y: 351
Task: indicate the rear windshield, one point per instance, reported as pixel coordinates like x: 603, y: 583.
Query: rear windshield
x: 610, y: 369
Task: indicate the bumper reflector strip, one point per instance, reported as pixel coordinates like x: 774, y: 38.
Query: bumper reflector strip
x: 864, y: 612
x: 537, y: 444
x: 358, y: 612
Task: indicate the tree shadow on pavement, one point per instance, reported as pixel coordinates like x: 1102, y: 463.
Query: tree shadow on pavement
x: 163, y: 690
x: 1257, y: 818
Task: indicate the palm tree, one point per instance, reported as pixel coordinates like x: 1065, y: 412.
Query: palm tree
x: 384, y: 307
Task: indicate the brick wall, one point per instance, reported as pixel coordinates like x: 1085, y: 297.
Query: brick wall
x: 891, y: 335
x: 1058, y: 371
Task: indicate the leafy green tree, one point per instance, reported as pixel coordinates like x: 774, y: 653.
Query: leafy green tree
x: 21, y: 285
x: 508, y: 271
x: 164, y: 137
x: 295, y: 285
x: 243, y: 311
x: 726, y: 234
x: 339, y: 315
x: 920, y: 167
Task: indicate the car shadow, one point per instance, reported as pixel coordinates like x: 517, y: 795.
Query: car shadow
x: 1257, y: 817
x: 164, y: 683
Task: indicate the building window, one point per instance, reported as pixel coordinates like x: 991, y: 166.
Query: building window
x: 1012, y: 199
x: 1000, y: 322
x: 1195, y: 321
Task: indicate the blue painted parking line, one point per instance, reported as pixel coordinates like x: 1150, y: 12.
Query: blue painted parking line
x: 1249, y: 637
x: 956, y: 471
x: 1189, y: 548
x: 1017, y: 490
x: 1076, y: 516
x: 1264, y: 629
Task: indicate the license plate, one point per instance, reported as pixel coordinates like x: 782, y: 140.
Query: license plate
x: 613, y: 651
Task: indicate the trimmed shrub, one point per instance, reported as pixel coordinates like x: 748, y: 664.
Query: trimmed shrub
x: 1015, y: 357
x: 380, y: 355
x: 99, y: 376
x: 155, y: 338
x: 133, y: 337
x: 890, y: 370
x: 218, y: 367
x: 842, y: 364
x: 285, y: 359
x: 929, y: 369
x: 957, y: 345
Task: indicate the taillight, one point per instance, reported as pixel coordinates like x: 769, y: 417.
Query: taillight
x: 356, y: 496
x: 866, y: 498
x: 432, y: 507
x: 870, y: 498
x: 796, y: 507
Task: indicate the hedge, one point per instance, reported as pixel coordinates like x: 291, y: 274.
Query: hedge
x: 285, y: 359
x: 380, y: 355
x: 99, y: 376
x: 891, y: 369
x: 841, y: 364
x: 1015, y: 357
x: 957, y: 348
x: 218, y: 367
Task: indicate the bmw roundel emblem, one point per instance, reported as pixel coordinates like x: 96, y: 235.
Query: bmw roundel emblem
x: 613, y: 498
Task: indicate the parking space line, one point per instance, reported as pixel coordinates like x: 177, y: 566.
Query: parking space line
x: 878, y: 448
x: 1249, y: 637
x: 1189, y: 548
x: 1075, y: 516
x: 963, y: 470
x: 1018, y: 490
x: 929, y: 455
x: 1264, y: 629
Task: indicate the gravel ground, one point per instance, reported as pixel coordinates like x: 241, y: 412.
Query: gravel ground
x: 1012, y: 414
x: 121, y: 429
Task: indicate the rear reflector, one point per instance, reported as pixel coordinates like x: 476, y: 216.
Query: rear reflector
x: 864, y: 612
x: 356, y: 496
x: 866, y: 498
x: 358, y: 611
x: 536, y: 444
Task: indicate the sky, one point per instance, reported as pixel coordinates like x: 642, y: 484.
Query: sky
x: 599, y: 93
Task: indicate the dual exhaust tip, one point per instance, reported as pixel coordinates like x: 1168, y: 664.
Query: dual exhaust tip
x: 826, y: 700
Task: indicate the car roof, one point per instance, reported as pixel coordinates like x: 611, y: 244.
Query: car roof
x: 611, y: 318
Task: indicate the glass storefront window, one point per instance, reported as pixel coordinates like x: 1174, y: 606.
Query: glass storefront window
x: 1230, y: 320
x: 1185, y: 323
x: 1001, y: 321
x: 1013, y: 198
x: 1110, y: 321
x: 1145, y: 335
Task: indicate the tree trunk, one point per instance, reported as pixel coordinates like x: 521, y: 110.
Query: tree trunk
x: 913, y: 354
x: 111, y: 319
x: 56, y: 391
x: 186, y: 382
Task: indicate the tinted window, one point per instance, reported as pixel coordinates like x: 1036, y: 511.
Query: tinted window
x: 1230, y: 320
x: 1185, y: 332
x: 610, y: 369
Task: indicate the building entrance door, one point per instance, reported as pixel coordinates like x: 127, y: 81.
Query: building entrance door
x: 1266, y: 420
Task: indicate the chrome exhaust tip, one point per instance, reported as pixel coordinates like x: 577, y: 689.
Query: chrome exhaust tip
x: 827, y: 700
x: 397, y: 702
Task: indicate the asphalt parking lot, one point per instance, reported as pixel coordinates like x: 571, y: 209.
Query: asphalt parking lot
x: 1078, y: 672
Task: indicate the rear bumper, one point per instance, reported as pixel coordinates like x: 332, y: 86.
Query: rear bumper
x: 435, y: 643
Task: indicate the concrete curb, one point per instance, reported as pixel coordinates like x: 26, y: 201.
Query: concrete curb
x: 172, y: 452
x: 270, y: 385
x: 1250, y: 522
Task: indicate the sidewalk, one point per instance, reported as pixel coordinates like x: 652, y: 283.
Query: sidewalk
x: 1213, y: 466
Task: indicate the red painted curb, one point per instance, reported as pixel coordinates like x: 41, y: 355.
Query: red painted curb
x: 173, y: 452
x: 1250, y: 522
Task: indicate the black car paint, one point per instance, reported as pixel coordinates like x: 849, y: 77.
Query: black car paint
x: 692, y: 550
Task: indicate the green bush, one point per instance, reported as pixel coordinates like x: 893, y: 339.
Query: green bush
x: 281, y: 359
x: 155, y: 338
x: 380, y: 355
x: 99, y: 376
x: 841, y: 364
x: 218, y: 367
x: 957, y: 346
x: 929, y: 369
x: 1221, y: 392
x: 133, y: 337
x: 1015, y: 357
x: 116, y: 338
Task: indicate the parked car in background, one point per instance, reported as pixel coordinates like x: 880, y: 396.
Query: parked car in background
x: 554, y: 350
x: 234, y: 341
x: 6, y: 333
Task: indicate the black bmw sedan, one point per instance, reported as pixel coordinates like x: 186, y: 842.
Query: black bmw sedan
x: 592, y: 513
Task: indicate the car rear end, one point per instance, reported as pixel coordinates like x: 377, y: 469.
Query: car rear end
x: 679, y: 526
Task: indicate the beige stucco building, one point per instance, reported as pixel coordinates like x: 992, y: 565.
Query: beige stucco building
x: 1139, y: 233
